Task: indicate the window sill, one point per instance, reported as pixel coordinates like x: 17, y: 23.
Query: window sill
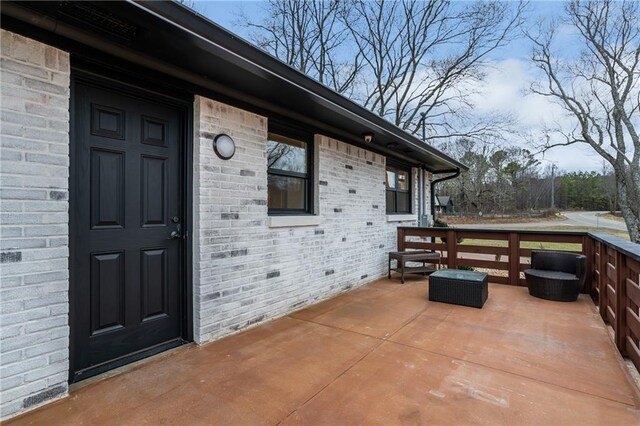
x: 291, y: 221
x: 402, y: 217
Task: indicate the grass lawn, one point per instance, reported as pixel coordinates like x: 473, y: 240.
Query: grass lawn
x: 545, y: 245
x: 622, y: 234
x: 524, y: 244
x: 611, y: 217
x: 463, y: 220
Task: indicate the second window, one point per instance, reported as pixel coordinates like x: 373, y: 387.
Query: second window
x: 398, y: 186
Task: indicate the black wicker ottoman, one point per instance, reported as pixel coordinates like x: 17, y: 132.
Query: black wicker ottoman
x: 467, y: 288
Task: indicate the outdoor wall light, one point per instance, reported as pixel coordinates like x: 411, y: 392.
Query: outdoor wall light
x: 368, y: 137
x: 224, y: 146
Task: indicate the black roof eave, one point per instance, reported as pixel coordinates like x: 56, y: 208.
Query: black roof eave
x: 173, y: 39
x: 198, y: 26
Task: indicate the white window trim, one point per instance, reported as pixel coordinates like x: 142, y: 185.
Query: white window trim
x: 402, y: 217
x: 293, y: 221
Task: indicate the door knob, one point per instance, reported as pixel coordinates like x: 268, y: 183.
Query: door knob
x: 175, y: 235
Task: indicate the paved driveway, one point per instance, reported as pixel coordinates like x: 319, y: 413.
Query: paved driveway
x: 380, y: 354
x: 577, y: 219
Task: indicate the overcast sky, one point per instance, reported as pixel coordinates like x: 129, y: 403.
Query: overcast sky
x: 504, y: 90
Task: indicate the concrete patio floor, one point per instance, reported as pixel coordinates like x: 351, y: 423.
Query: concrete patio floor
x: 381, y: 354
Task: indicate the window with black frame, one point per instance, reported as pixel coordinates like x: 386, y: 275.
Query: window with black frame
x: 289, y: 175
x: 398, y: 183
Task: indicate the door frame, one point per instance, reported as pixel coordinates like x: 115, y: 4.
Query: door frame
x: 118, y: 80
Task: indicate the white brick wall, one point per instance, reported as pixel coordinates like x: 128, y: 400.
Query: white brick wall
x: 34, y: 162
x: 246, y: 272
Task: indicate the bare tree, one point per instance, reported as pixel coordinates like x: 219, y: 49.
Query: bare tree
x: 191, y: 4
x: 502, y: 178
x: 600, y: 91
x: 423, y: 58
x: 410, y: 61
x: 308, y: 35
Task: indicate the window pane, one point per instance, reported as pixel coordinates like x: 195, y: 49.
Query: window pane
x: 403, y: 180
x: 390, y: 206
x: 391, y: 178
x: 404, y: 204
x: 286, y: 154
x: 287, y: 192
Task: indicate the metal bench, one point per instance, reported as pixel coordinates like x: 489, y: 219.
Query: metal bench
x: 421, y: 256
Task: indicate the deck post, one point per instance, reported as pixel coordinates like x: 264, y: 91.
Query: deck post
x: 514, y: 258
x: 587, y: 250
x: 452, y: 252
x: 602, y: 281
x: 621, y: 302
x: 401, y: 235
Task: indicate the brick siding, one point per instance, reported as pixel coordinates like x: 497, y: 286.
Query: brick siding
x: 246, y: 272
x: 34, y: 167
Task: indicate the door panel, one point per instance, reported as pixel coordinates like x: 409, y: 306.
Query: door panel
x: 107, y: 292
x: 107, y: 189
x: 154, y: 283
x: 127, y: 278
x: 154, y: 191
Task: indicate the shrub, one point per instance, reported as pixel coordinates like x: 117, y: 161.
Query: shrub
x: 550, y: 213
x: 437, y: 223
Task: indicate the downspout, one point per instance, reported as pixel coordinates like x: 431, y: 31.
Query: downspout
x: 420, y: 195
x: 432, y: 194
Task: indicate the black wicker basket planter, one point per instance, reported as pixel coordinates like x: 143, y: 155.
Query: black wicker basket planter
x: 556, y: 276
x: 467, y: 288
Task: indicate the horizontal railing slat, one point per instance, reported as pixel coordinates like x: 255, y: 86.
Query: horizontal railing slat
x: 551, y: 238
x: 611, y: 296
x: 491, y: 264
x: 633, y: 265
x: 611, y: 317
x: 464, y: 248
x: 633, y: 322
x: 611, y: 272
x: 633, y: 291
x: 425, y: 246
x: 633, y: 352
x: 497, y: 279
x: 479, y: 235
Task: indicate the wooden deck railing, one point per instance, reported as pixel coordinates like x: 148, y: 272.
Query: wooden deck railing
x: 613, y: 266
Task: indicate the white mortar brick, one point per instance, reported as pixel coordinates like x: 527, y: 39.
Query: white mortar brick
x: 34, y: 127
x: 245, y: 272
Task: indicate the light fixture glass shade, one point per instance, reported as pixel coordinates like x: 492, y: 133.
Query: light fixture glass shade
x: 224, y: 146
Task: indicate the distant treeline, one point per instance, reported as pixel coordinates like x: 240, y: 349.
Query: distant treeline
x: 587, y: 191
x: 504, y: 180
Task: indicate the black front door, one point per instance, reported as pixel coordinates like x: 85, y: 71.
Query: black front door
x: 127, y: 244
